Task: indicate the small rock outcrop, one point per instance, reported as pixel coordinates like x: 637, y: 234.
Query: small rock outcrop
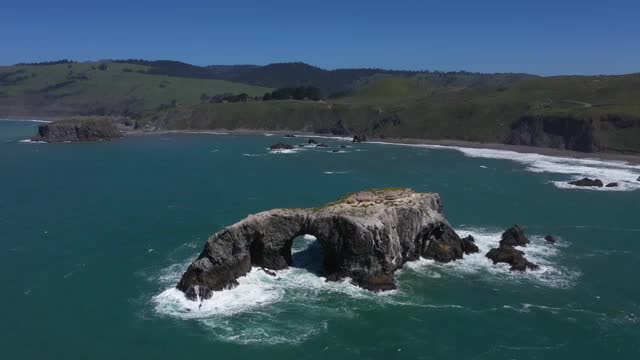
x: 281, y: 146
x: 612, y: 185
x: 507, y: 253
x: 366, y: 236
x: 587, y: 182
x: 469, y: 245
x: 359, y: 138
x: 551, y: 239
x: 77, y: 131
x: 312, y: 142
x: 514, y: 236
x: 511, y: 256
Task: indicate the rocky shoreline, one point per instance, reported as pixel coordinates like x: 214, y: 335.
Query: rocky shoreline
x: 603, y: 156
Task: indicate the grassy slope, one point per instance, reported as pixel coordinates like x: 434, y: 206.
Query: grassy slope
x: 84, y: 89
x: 421, y: 107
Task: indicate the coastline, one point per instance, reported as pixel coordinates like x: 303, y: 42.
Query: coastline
x: 631, y: 159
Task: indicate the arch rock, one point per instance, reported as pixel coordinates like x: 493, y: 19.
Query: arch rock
x: 366, y: 236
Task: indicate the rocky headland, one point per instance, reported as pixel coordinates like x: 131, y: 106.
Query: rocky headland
x: 366, y: 236
x: 77, y: 131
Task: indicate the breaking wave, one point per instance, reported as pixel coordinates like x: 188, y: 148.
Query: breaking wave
x: 550, y: 273
x: 28, y: 120
x: 298, y: 303
x: 286, y: 151
x: 621, y: 172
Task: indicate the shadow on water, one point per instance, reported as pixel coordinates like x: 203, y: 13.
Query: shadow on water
x: 307, y: 253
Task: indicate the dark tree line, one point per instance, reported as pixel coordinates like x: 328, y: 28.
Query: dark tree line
x: 227, y: 98
x: 56, y: 62
x: 295, y: 93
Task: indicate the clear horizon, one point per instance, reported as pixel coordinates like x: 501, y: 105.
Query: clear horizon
x: 542, y: 37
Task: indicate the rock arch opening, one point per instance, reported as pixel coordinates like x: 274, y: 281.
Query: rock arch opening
x: 307, y: 253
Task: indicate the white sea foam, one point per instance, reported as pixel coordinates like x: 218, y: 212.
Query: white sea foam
x: 289, y: 307
x: 27, y: 120
x: 255, y: 290
x: 253, y: 155
x: 538, y: 251
x: 286, y: 151
x: 625, y: 174
x: 340, y: 138
x: 28, y: 141
x: 250, y: 312
x: 335, y: 172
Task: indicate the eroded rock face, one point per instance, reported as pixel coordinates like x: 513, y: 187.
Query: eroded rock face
x: 563, y: 132
x: 77, y: 130
x: 366, y: 236
x: 514, y: 236
x: 511, y: 256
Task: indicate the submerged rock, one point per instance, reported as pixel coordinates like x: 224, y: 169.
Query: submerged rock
x: 469, y: 245
x: 281, y: 146
x: 77, y: 131
x: 289, y: 135
x: 312, y: 141
x: 551, y: 239
x: 268, y: 272
x: 587, y: 182
x: 365, y: 236
x: 612, y: 185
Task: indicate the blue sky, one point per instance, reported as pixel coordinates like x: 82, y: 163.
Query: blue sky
x: 542, y: 37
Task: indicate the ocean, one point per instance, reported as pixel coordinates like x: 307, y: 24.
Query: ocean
x: 94, y: 237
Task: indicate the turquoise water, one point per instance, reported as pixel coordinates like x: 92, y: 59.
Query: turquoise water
x: 94, y: 236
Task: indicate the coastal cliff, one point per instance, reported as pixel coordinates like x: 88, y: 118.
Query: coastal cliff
x: 366, y: 237
x: 77, y: 130
x: 561, y: 132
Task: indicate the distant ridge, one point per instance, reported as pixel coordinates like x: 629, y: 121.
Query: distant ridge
x: 292, y: 74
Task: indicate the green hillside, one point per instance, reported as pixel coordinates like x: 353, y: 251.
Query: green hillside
x: 101, y: 89
x: 603, y: 111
